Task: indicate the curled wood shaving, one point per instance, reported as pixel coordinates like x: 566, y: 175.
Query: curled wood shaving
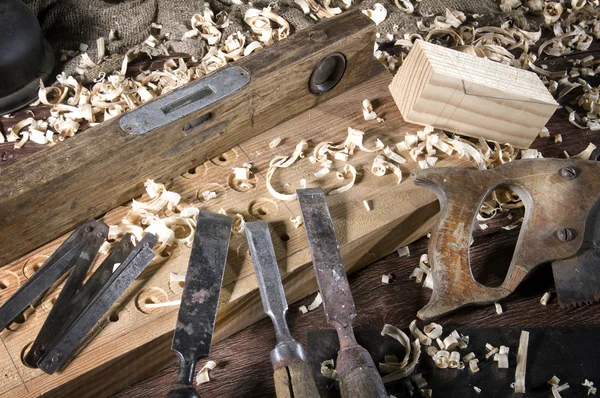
x: 163, y: 215
x: 380, y: 166
x: 385, y: 278
x: 403, y: 369
x: 202, y: 376
x: 418, y: 334
x: 284, y: 162
x: 545, y: 298
x: 348, y: 169
x: 296, y: 221
x: 328, y: 370
x: 554, y: 381
x: 377, y: 15
x: 417, y: 274
x: 316, y: 302
x: 433, y: 330
x: 590, y: 385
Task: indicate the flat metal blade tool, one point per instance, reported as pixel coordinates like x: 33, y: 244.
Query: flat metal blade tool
x: 200, y: 298
x: 95, y: 302
x: 70, y: 300
x: 293, y: 374
x: 358, y: 375
x: 80, y: 248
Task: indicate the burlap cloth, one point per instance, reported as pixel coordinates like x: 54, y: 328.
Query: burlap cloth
x: 67, y: 23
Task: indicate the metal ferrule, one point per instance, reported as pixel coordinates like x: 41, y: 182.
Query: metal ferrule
x: 286, y: 353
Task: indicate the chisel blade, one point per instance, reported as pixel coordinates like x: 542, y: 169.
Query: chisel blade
x: 196, y: 319
x: 327, y: 261
x: 267, y: 273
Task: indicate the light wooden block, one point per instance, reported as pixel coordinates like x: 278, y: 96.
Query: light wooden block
x: 458, y: 92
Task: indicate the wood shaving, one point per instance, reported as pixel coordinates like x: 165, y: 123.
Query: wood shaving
x: 586, y: 153
x: 273, y: 144
x: 590, y: 385
x: 377, y: 15
x: 404, y: 368
x: 385, y: 278
x: 433, y: 330
x: 469, y: 357
x: 164, y: 215
x: 367, y: 205
x: 521, y: 362
x: 284, y: 162
x: 454, y: 360
x: 380, y: 167
x: 316, y: 302
x: 545, y: 298
x: 502, y: 360
x: 477, y: 389
x: 202, y: 376
x: 442, y: 359
x: 554, y: 381
x: 417, y: 274
x: 418, y: 334
x: 303, y: 309
x: 348, y: 169
x: 558, y: 138
x: 473, y: 367
x: 328, y: 370
x: 404, y: 251
x: 296, y: 221
x: 499, y: 309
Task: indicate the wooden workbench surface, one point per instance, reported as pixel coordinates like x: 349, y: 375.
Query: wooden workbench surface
x: 244, y: 369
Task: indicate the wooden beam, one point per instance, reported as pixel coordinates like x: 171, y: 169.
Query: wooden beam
x: 138, y: 343
x: 458, y: 92
x: 48, y: 193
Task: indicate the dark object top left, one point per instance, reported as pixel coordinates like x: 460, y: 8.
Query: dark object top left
x: 25, y: 56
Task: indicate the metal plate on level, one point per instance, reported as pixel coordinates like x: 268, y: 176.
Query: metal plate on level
x: 186, y: 100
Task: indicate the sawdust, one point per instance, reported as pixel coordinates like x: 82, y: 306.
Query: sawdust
x: 132, y: 23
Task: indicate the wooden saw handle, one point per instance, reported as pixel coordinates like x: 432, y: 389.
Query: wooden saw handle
x: 362, y: 382
x: 295, y: 381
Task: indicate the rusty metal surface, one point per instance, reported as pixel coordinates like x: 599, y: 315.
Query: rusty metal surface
x: 557, y: 205
x: 200, y: 298
x: 332, y: 279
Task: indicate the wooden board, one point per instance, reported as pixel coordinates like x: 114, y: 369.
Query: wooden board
x: 95, y: 171
x: 137, y: 342
x: 455, y: 91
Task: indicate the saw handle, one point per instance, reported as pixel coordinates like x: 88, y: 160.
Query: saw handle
x: 296, y: 380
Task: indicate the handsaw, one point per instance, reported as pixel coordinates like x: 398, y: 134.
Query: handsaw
x: 562, y: 203
x: 96, y: 300
x: 358, y: 375
x: 200, y: 298
x: 293, y: 374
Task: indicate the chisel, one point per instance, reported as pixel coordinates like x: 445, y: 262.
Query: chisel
x: 293, y: 375
x: 358, y: 375
x: 200, y: 298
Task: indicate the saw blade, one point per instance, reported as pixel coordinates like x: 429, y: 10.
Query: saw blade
x: 577, y: 278
x: 327, y: 261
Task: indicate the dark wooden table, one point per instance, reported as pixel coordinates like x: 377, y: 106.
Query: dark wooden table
x: 244, y: 369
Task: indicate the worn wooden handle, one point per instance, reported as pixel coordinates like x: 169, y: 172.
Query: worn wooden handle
x: 362, y: 382
x: 295, y: 381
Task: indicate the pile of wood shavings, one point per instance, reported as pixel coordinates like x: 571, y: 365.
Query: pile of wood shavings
x: 172, y: 221
x: 75, y: 107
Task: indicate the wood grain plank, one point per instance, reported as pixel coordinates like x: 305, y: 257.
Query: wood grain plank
x: 104, y: 167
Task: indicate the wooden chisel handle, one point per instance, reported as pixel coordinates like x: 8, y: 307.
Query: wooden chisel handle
x: 359, y: 377
x: 362, y: 382
x: 297, y: 380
